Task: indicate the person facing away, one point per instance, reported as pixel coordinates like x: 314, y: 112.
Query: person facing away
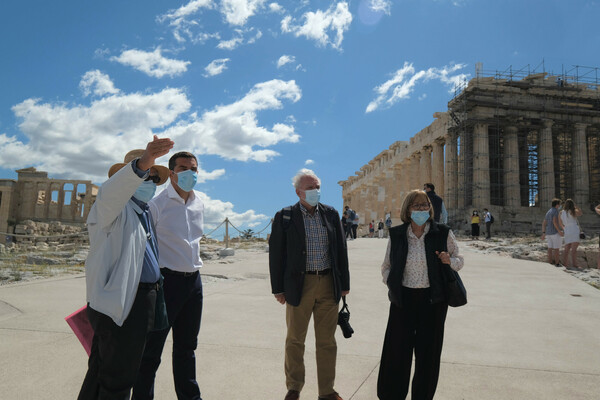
x: 350, y: 217
x: 552, y: 233
x: 121, y: 271
x: 412, y: 270
x: 435, y: 200
x: 178, y: 213
x: 570, y: 226
x: 487, y: 218
x: 308, y: 264
x: 380, y: 228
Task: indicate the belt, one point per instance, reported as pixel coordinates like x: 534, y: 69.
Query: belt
x: 168, y: 271
x: 149, y: 286
x: 322, y: 272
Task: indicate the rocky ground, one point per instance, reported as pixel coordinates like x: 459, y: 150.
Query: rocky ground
x: 533, y: 248
x: 17, y: 266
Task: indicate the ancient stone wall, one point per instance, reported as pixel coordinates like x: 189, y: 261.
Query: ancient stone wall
x: 506, y: 145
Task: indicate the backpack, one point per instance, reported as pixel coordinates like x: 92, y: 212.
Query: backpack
x: 352, y: 215
x: 491, y: 218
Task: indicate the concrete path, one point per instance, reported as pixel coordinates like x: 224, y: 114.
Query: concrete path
x: 530, y: 331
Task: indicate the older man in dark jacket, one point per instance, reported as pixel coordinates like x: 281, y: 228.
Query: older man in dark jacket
x: 308, y: 262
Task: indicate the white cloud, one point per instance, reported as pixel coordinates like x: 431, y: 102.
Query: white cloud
x: 232, y: 131
x: 423, y: 96
x: 215, y: 212
x: 97, y: 83
x: 402, y: 84
x: 285, y: 59
x: 152, y: 63
x: 317, y: 25
x: 382, y: 6
x: 309, y: 162
x: 237, y: 12
x: 276, y: 8
x: 181, y: 19
x: 216, y: 67
x: 230, y: 44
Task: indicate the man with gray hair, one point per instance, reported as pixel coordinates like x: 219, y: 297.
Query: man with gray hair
x: 308, y: 262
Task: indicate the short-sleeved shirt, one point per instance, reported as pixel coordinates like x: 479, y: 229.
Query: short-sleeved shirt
x: 550, y: 215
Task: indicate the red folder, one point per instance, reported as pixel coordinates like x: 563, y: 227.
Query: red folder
x: 80, y: 324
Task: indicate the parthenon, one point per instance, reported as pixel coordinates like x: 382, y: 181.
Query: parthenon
x: 507, y: 144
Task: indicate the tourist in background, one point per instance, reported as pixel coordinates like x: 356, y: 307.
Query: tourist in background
x: 475, y: 221
x: 418, y: 300
x: 487, y: 218
x: 552, y: 233
x: 308, y: 264
x: 380, y: 228
x: 438, y: 204
x: 570, y: 226
x: 178, y: 214
x: 122, y: 273
x: 355, y: 222
x: 388, y: 223
x: 350, y: 216
x: 371, y: 228
x: 345, y: 223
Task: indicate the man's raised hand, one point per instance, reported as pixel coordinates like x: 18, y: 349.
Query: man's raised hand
x: 155, y: 149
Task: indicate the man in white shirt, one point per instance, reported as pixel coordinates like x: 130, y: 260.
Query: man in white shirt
x: 178, y: 214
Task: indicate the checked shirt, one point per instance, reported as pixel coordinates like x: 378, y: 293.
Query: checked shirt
x: 317, y: 241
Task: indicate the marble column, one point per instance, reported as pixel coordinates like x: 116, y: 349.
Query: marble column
x: 425, y: 168
x: 481, y: 167
x: 451, y: 178
x: 437, y: 170
x: 462, y: 170
x: 512, y: 188
x: 546, y: 183
x: 581, y: 177
x: 414, y: 176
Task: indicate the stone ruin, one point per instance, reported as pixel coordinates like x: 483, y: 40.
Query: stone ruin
x: 507, y: 144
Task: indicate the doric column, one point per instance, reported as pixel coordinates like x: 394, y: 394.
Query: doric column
x: 414, y: 176
x: 512, y: 188
x: 481, y: 166
x: 425, y: 169
x: 451, y: 178
x: 462, y: 170
x: 581, y: 177
x: 546, y: 166
x: 437, y: 162
x: 400, y: 176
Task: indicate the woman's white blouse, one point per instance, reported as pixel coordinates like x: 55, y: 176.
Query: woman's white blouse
x: 415, y: 272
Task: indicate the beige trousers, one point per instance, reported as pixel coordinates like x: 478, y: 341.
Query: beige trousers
x: 317, y: 300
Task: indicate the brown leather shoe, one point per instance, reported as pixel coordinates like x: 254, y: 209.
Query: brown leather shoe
x: 332, y: 396
x: 292, y: 395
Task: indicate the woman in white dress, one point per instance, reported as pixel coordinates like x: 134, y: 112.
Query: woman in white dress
x: 568, y: 222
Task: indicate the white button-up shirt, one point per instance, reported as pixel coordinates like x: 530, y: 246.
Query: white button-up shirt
x: 179, y: 228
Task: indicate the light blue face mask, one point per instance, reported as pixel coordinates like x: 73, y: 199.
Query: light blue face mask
x: 186, y: 180
x: 419, y: 217
x: 312, y: 197
x: 145, y: 192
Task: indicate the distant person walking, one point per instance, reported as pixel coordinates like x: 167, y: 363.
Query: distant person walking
x: 355, y: 225
x: 388, y: 224
x: 475, y: 221
x: 380, y: 228
x: 487, y: 218
x: 371, y: 228
x: 308, y: 263
x: 412, y: 271
x: 552, y: 233
x: 350, y: 216
x: 570, y: 225
x: 345, y: 223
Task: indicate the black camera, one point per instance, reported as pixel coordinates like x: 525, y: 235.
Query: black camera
x: 344, y: 320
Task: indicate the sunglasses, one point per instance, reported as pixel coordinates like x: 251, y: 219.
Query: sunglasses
x: 153, y: 178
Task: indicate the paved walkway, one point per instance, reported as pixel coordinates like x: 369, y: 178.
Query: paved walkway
x: 530, y: 331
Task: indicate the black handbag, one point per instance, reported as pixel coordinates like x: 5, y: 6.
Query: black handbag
x: 344, y: 320
x: 456, y: 293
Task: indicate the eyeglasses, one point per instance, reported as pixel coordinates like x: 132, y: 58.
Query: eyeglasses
x: 153, y: 178
x: 420, y: 206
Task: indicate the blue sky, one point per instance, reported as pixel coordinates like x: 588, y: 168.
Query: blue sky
x: 257, y: 89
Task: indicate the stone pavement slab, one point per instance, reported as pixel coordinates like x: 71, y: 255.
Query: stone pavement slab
x: 530, y: 331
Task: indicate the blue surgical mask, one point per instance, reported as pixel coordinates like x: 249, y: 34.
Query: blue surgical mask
x: 419, y: 217
x: 186, y: 180
x: 312, y: 197
x: 146, y: 191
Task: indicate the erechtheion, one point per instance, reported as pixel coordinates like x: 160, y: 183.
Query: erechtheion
x: 508, y: 143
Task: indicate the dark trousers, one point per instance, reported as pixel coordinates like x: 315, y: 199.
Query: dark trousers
x: 488, y: 225
x: 183, y: 298
x: 117, y: 350
x: 354, y: 227
x: 416, y: 326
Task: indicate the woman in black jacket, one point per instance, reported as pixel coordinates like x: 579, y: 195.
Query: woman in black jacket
x: 412, y: 270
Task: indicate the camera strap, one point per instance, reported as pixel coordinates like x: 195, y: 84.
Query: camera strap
x: 345, y: 306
